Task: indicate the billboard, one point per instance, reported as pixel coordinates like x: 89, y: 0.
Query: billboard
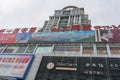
x: 7, y: 38
x: 15, y: 65
x: 23, y: 37
x: 69, y: 36
x: 110, y: 35
x: 15, y: 38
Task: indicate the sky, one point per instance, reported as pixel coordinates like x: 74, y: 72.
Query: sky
x: 33, y: 13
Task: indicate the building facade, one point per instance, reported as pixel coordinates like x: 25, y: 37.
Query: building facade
x: 68, y: 16
x: 64, y: 54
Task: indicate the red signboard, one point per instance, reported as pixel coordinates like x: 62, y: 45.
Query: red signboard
x: 107, y: 27
x: 7, y: 38
x: 15, y: 65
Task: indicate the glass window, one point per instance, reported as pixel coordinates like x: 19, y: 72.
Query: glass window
x: 67, y: 48
x: 1, y: 48
x: 30, y: 49
x: 44, y: 49
x: 115, y: 50
x: 87, y: 50
x: 101, y: 50
x: 66, y: 12
x: 21, y: 49
x: 11, y: 49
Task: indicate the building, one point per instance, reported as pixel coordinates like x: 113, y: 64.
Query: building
x: 50, y: 54
x: 68, y: 16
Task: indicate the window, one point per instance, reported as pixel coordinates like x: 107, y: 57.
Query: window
x: 21, y: 49
x: 87, y: 50
x: 44, y: 49
x: 67, y: 49
x: 101, y: 50
x: 30, y: 49
x: 11, y: 49
x: 66, y: 12
x: 1, y: 48
x: 115, y: 50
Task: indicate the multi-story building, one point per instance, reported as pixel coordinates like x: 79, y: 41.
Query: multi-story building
x: 73, y: 54
x: 68, y: 16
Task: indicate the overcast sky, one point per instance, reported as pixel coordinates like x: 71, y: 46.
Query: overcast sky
x: 33, y: 13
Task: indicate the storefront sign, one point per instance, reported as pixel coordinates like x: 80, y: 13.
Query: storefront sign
x: 14, y: 65
x: 79, y: 68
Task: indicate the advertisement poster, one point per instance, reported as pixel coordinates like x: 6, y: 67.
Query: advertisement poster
x: 69, y: 36
x: 23, y: 37
x: 110, y: 35
x: 14, y: 65
x: 7, y: 38
x: 15, y: 38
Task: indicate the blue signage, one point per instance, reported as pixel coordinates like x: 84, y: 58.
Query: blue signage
x: 23, y: 37
x: 69, y: 36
